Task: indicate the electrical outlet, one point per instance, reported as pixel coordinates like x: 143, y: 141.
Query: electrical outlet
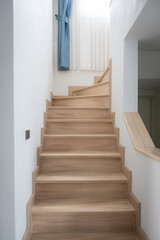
x: 27, y: 134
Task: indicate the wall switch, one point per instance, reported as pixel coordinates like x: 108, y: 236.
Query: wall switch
x: 27, y: 134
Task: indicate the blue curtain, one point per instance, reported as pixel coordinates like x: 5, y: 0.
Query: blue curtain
x: 64, y: 11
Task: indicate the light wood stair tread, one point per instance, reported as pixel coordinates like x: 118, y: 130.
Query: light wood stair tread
x: 113, y: 177
x: 81, y: 154
x: 92, y: 86
x: 72, y: 107
x: 75, y: 97
x: 112, y: 205
x: 86, y: 236
x: 80, y: 120
x: 80, y: 136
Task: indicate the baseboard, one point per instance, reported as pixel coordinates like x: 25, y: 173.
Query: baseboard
x: 141, y: 234
x: 27, y: 234
x: 29, y: 206
x: 137, y: 206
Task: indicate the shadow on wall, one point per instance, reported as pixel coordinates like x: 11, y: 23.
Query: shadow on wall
x: 149, y: 93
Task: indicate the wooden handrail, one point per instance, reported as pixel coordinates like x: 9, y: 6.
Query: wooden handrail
x: 140, y: 137
x: 107, y: 70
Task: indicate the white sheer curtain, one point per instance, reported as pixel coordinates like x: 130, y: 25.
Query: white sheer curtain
x: 89, y: 35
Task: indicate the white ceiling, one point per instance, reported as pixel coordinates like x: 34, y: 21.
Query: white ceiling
x: 147, y: 27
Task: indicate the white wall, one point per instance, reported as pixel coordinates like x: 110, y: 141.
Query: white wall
x: 149, y: 65
x: 130, y: 90
x: 68, y: 78
x: 145, y: 171
x: 6, y: 122
x: 33, y: 74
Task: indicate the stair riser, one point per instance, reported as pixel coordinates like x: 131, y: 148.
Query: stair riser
x: 82, y: 102
x: 83, y: 222
x: 99, y: 89
x: 82, y: 192
x: 79, y: 128
x: 79, y: 166
x: 79, y: 144
x: 77, y: 113
x: 85, y: 236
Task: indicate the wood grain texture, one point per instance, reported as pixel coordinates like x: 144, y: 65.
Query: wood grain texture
x: 83, y: 221
x: 141, y: 139
x: 101, y: 88
x: 78, y: 126
x: 80, y: 143
x: 81, y: 101
x: 82, y: 189
x: 77, y: 113
x: 80, y: 166
x: 87, y: 236
x: 71, y: 89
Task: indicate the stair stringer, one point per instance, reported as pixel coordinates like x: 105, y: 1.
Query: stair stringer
x: 35, y: 173
x: 132, y: 198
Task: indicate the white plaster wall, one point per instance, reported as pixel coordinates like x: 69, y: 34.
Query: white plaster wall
x: 7, y: 214
x: 145, y: 171
x: 68, y: 78
x: 33, y: 75
x: 130, y: 90
x: 149, y: 65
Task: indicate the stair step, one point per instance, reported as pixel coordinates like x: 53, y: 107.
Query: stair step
x: 70, y: 217
x: 78, y: 107
x: 87, y: 101
x: 78, y: 126
x: 100, y: 88
x: 80, y: 154
x: 111, y: 178
x: 78, y: 97
x: 86, y: 236
x: 80, y: 136
x: 81, y: 188
x: 79, y: 120
x: 110, y: 206
x: 77, y: 143
x: 78, y: 112
x: 89, y: 164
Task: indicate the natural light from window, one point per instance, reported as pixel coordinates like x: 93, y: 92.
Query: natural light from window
x: 94, y: 8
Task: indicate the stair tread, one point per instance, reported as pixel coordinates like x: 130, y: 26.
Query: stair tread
x: 50, y: 206
x: 86, y: 236
x: 75, y: 97
x: 79, y: 135
x: 72, y: 107
x: 113, y: 177
x: 80, y: 120
x: 92, y: 86
x: 80, y: 154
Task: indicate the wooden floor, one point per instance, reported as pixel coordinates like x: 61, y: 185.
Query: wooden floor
x: 81, y: 192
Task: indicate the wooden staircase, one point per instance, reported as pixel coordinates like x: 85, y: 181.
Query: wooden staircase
x: 81, y: 188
